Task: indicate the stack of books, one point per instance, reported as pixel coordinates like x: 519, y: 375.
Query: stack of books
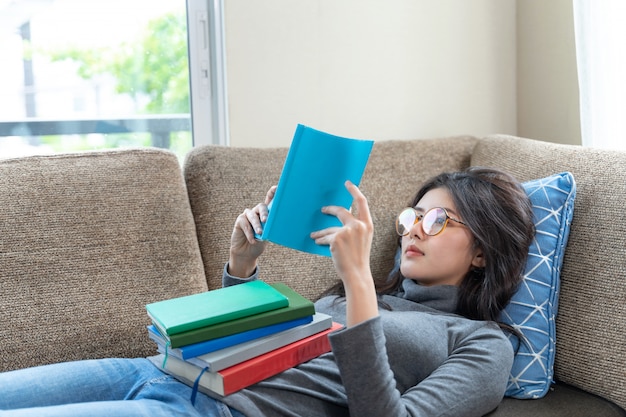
x: 223, y: 340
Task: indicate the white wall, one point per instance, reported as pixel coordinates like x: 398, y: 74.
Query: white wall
x: 395, y: 69
x: 547, y: 93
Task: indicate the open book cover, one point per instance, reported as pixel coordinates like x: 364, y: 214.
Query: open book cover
x: 315, y: 171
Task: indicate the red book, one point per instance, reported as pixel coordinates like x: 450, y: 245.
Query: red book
x: 251, y: 371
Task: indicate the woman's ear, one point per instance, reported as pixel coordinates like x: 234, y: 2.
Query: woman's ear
x: 479, y: 260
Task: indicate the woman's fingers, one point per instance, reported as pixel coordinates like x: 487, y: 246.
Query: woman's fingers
x: 258, y: 215
x: 324, y: 237
x: 359, y: 203
x: 244, y: 224
x: 360, y: 209
x: 269, y: 196
x: 254, y: 217
x: 359, y: 220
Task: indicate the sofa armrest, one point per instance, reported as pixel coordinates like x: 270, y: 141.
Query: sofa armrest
x: 86, y: 240
x: 590, y: 336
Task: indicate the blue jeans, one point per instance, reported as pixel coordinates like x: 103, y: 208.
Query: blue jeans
x: 104, y: 387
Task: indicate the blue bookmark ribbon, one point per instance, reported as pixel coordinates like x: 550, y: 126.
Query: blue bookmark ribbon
x: 194, y: 390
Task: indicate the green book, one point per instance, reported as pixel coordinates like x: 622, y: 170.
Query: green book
x: 298, y: 307
x: 190, y: 312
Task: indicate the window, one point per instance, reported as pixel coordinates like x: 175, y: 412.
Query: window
x: 83, y: 75
x: 601, y: 55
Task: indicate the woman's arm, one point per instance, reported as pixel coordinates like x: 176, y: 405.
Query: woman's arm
x: 245, y: 249
x: 350, y: 247
x: 470, y: 382
x: 228, y: 279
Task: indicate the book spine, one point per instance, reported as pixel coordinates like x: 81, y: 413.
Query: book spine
x: 257, y: 369
x: 295, y: 142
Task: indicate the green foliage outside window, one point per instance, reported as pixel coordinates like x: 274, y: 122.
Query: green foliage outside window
x: 155, y: 66
x: 152, y: 70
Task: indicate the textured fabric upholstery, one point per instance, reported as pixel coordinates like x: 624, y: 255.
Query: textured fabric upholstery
x: 591, y: 341
x: 562, y: 401
x: 86, y: 240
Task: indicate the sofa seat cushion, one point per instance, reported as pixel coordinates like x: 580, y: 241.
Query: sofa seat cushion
x: 562, y: 400
x: 86, y: 240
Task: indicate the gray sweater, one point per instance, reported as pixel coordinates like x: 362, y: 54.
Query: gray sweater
x: 419, y: 359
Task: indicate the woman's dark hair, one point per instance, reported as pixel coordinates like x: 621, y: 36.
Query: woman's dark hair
x: 496, y: 209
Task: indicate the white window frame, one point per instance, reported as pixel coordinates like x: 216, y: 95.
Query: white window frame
x: 207, y: 72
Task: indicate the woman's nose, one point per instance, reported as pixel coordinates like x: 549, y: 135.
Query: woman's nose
x: 417, y: 231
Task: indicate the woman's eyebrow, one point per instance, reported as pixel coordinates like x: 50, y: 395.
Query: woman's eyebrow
x: 447, y: 209
x: 451, y: 211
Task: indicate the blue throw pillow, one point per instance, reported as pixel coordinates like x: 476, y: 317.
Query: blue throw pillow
x: 533, y: 308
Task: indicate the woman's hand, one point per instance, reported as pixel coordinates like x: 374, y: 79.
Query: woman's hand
x: 350, y: 247
x: 244, y: 247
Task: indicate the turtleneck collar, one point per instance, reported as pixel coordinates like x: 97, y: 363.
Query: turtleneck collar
x: 438, y: 297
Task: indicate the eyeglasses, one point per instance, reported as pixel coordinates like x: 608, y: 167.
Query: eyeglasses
x: 433, y: 221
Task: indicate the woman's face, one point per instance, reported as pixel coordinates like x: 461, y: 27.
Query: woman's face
x: 443, y: 259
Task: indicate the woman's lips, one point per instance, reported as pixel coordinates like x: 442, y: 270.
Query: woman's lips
x: 413, y: 251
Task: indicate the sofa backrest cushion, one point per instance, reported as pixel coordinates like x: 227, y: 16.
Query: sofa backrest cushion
x: 223, y: 181
x: 591, y: 341
x: 86, y: 240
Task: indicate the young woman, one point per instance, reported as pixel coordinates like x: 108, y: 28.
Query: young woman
x: 424, y: 343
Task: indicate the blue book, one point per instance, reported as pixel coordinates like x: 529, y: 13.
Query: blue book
x: 208, y: 346
x: 314, y: 175
x: 224, y: 358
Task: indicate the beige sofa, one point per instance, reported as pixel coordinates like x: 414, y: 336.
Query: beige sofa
x: 86, y: 240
